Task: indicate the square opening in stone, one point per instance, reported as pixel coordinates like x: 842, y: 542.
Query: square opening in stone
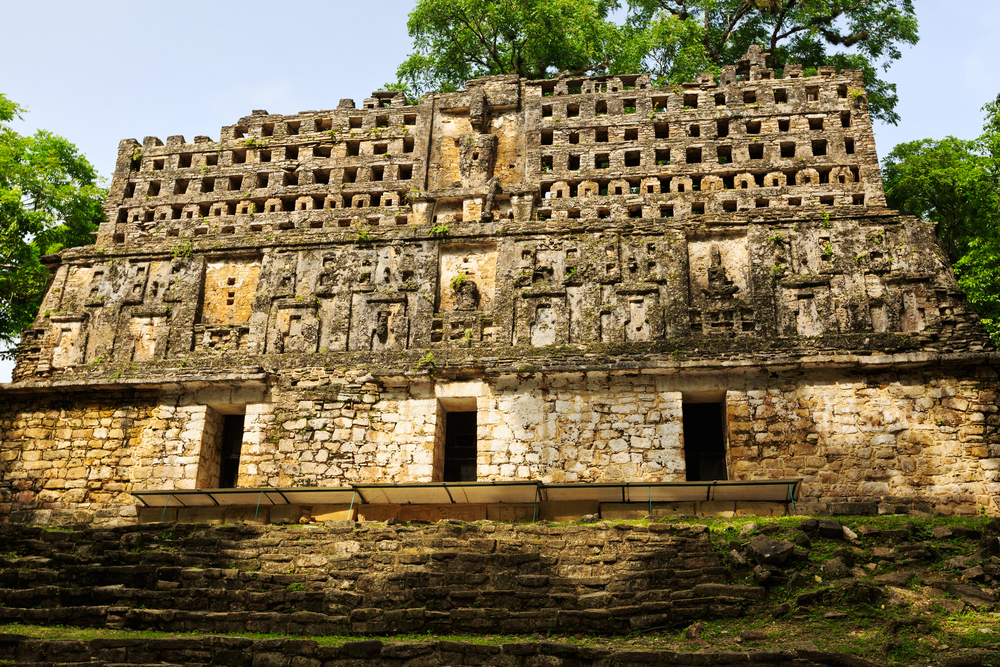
x: 460, y: 450
x: 704, y: 442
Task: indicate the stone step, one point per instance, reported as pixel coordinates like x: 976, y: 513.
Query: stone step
x: 342, y: 602
x: 240, y: 652
x: 381, y: 620
x: 153, y: 577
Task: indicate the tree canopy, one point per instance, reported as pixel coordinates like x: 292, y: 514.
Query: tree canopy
x: 455, y: 40
x: 49, y: 200
x: 956, y: 184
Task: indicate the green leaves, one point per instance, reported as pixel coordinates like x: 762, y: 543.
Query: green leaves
x: 979, y: 277
x: 812, y: 33
x: 49, y: 200
x: 956, y: 184
x: 456, y: 40
x: 946, y: 182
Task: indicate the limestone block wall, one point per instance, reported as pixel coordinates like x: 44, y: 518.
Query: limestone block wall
x: 923, y: 440
x: 84, y: 452
x: 561, y: 428
x: 920, y: 438
x: 71, y: 454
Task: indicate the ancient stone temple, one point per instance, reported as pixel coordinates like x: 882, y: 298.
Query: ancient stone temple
x: 565, y: 281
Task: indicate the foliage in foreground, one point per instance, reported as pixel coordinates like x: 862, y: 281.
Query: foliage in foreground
x: 456, y: 40
x: 49, y: 200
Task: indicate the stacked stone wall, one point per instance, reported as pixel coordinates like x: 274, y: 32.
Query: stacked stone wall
x: 920, y: 440
x: 240, y: 652
x: 887, y: 442
x: 368, y: 578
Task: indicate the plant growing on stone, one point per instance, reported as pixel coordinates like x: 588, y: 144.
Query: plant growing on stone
x: 439, y: 230
x: 426, y: 363
x: 457, y: 281
x: 181, y: 250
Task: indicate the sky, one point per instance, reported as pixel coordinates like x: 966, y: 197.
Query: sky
x: 101, y: 71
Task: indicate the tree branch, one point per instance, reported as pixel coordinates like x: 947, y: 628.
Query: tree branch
x: 780, y: 22
x: 715, y: 51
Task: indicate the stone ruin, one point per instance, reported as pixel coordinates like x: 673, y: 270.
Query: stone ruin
x: 571, y: 280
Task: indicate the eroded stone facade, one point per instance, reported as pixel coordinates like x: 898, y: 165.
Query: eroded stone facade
x: 575, y: 260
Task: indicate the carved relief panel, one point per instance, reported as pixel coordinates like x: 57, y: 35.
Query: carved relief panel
x: 333, y: 294
x: 466, y: 292
x: 230, y: 287
x: 467, y: 278
x: 805, y: 308
x: 105, y: 293
x: 551, y: 285
x: 148, y: 337
x: 396, y: 283
x: 295, y: 326
x: 720, y: 300
x: 70, y: 340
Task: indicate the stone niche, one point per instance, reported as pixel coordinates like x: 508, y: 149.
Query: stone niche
x: 230, y: 288
x: 446, y: 148
x: 806, y: 310
x: 379, y: 322
x: 148, y: 332
x: 295, y: 327
x: 467, y: 278
x: 718, y: 268
x: 715, y: 262
x: 70, y: 340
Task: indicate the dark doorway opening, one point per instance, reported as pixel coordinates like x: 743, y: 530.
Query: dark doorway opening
x: 704, y: 442
x: 232, y: 444
x: 460, y: 447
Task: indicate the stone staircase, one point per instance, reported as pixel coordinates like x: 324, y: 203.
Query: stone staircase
x: 367, y: 578
x: 240, y: 652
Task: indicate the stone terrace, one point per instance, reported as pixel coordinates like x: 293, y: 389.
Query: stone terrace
x: 368, y: 578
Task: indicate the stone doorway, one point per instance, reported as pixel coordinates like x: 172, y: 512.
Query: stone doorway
x: 231, y: 446
x: 704, y: 441
x: 460, y: 452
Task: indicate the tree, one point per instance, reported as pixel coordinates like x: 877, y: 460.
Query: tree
x: 457, y: 40
x: 979, y: 277
x: 956, y: 184
x: 49, y: 200
x: 851, y: 34
x: 946, y: 182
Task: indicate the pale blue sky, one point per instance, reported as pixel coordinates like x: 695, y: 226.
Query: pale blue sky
x: 101, y: 71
